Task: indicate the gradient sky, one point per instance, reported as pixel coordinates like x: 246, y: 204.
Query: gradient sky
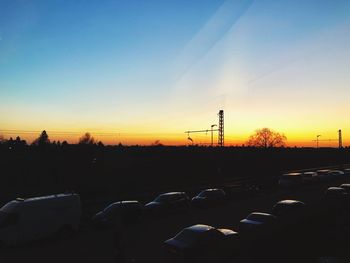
x: 140, y: 71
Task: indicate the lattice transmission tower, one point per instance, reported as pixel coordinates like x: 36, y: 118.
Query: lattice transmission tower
x: 221, y: 136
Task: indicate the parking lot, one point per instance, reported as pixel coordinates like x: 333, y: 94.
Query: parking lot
x: 143, y: 240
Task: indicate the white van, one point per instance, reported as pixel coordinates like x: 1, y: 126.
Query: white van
x: 24, y: 220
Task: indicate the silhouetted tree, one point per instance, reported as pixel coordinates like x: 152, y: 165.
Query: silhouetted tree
x: 43, y: 139
x: 100, y: 144
x: 10, y: 143
x: 64, y: 143
x: 2, y: 140
x: 19, y: 143
x: 266, y: 138
x: 86, y: 139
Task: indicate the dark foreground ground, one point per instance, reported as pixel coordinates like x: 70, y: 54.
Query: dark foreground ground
x: 105, y: 174
x: 143, y: 240
x: 129, y: 172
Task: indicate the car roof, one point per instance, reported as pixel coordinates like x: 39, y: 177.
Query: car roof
x: 212, y: 189
x: 173, y: 193
x: 334, y: 188
x: 289, y: 202
x: 345, y: 185
x: 310, y: 172
x: 129, y: 201
x: 125, y: 202
x: 46, y: 197
x: 261, y: 214
x: 200, y: 228
x: 292, y: 174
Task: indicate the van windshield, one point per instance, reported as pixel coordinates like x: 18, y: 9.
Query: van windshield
x: 112, y: 208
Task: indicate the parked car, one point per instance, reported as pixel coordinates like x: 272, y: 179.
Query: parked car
x: 290, y: 214
x: 286, y: 208
x: 346, y: 188
x: 336, y: 174
x: 257, y: 224
x: 169, y: 202
x: 346, y: 171
x: 334, y: 194
x: 118, y: 212
x: 25, y: 220
x: 309, y: 178
x: 336, y: 199
x: 289, y: 180
x: 209, y: 197
x: 323, y: 174
x: 201, y: 243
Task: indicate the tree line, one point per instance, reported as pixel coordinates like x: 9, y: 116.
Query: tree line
x: 44, y: 140
x: 262, y: 138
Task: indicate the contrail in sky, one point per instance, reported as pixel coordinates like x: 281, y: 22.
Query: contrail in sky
x: 214, y: 30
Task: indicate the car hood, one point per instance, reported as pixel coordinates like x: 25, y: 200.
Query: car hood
x: 177, y: 244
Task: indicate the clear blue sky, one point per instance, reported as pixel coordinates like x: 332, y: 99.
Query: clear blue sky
x: 138, y: 66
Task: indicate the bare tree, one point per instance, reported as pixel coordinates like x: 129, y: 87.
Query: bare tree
x: 267, y: 138
x: 87, y: 139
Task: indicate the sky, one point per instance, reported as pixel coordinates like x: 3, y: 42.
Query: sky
x: 139, y: 71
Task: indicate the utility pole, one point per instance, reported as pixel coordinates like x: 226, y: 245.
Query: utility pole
x: 221, y: 128
x: 212, y: 141
x: 340, y: 139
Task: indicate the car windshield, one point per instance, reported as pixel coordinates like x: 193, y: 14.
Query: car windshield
x: 112, y: 208
x: 187, y: 236
x: 210, y: 193
x: 259, y: 217
x: 167, y: 198
x: 204, y: 193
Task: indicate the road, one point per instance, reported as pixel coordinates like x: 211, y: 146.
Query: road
x: 144, y: 240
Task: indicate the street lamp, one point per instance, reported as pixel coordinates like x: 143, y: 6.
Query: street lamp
x: 212, y: 126
x: 317, y: 140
